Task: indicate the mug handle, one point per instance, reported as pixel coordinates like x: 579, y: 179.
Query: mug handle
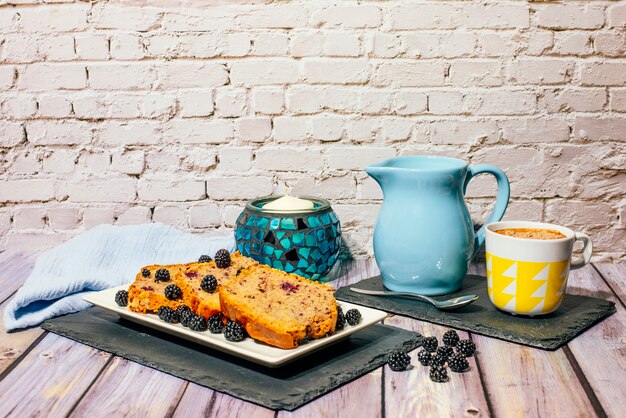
x: 502, y: 199
x: 583, y: 260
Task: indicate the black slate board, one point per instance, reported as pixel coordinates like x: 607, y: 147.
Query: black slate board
x: 287, y: 387
x: 549, y: 332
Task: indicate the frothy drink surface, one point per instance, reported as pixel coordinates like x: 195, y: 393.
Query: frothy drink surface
x: 531, y: 233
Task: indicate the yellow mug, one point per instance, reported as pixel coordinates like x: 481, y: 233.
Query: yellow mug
x: 529, y: 276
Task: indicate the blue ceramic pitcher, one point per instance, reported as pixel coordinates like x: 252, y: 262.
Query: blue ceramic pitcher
x: 424, y: 238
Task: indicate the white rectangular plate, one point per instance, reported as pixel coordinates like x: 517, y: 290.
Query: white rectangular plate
x: 248, y: 349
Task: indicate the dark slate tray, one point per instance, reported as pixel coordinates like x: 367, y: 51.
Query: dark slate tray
x: 287, y: 387
x: 549, y: 332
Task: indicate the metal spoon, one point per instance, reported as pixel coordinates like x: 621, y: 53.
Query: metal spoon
x: 452, y: 303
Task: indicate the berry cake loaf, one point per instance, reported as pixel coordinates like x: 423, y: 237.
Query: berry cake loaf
x: 279, y: 308
x: 199, y: 282
x: 155, y: 286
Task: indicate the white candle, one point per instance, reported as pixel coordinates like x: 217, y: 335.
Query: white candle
x: 288, y: 203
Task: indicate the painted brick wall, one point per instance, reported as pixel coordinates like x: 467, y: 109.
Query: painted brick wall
x: 113, y: 113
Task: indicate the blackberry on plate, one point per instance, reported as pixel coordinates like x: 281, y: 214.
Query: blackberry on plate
x: 437, y: 360
x: 168, y: 314
x: 450, y: 338
x: 353, y: 316
x: 445, y: 351
x: 145, y: 273
x: 216, y: 323
x: 466, y: 347
x: 341, y: 319
x: 424, y: 357
x: 197, y: 323
x: 162, y: 275
x: 209, y: 283
x: 430, y: 344
x: 185, y: 315
x: 205, y: 259
x: 398, y: 361
x: 172, y: 292
x: 458, y: 363
x: 121, y: 297
x: 234, y: 331
x: 222, y: 258
x: 438, y: 374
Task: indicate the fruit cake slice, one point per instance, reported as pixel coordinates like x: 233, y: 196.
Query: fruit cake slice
x: 279, y: 308
x: 148, y: 292
x: 200, y: 289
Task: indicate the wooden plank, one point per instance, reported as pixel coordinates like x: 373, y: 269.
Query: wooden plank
x: 524, y: 381
x: 615, y: 275
x: 199, y: 401
x: 14, y: 269
x: 50, y: 379
x: 126, y: 388
x: 601, y: 350
x: 13, y: 345
x: 411, y: 393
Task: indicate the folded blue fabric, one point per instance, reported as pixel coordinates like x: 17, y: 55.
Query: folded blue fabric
x: 103, y: 257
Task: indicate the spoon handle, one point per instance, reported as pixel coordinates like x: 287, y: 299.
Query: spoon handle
x: 386, y: 293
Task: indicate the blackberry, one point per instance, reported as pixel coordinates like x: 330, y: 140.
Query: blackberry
x: 341, y: 319
x: 162, y: 275
x: 222, y: 258
x: 197, y: 323
x: 398, y: 361
x: 353, y: 316
x: 450, y: 338
x: 205, y: 259
x: 438, y: 374
x: 184, y: 314
x: 173, y: 292
x: 466, y: 347
x: 209, y: 283
x: 216, y: 324
x: 458, y: 363
x: 437, y: 360
x: 430, y: 344
x: 168, y: 314
x: 145, y: 273
x: 424, y: 357
x: 445, y: 351
x: 234, y: 331
x: 121, y: 297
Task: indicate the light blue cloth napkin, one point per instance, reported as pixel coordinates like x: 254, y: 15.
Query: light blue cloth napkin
x: 103, y: 257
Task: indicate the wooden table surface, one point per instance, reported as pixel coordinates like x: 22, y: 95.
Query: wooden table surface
x: 43, y: 374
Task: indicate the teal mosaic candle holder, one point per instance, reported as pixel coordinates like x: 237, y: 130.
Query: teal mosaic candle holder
x: 301, y: 242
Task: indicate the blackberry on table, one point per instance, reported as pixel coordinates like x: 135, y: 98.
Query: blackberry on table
x: 168, y: 314
x: 437, y: 360
x: 205, y: 259
x: 466, y: 347
x: 438, y: 374
x: 430, y: 344
x: 424, y: 357
x: 162, y: 275
x: 341, y: 319
x: 234, y: 331
x: 145, y: 273
x: 458, y: 363
x: 353, y: 316
x: 197, y: 323
x: 222, y: 258
x: 173, y: 292
x: 216, y: 323
x: 445, y: 351
x: 209, y: 283
x: 398, y: 361
x: 450, y: 338
x: 121, y: 297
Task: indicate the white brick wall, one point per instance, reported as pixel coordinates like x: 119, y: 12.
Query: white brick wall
x: 115, y: 113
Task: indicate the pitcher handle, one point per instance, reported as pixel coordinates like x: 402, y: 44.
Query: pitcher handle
x: 502, y: 199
